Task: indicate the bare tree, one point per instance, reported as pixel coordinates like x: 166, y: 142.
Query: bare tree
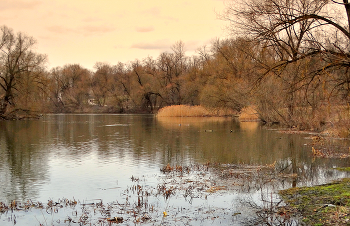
x: 102, y: 82
x: 69, y: 88
x: 296, y: 29
x: 17, y: 60
x: 310, y: 40
x: 172, y: 67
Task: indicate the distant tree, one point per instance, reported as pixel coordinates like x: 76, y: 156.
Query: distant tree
x: 69, y: 88
x: 146, y: 87
x: 172, y: 66
x: 102, y: 82
x: 18, y: 62
x: 227, y: 73
x: 191, y: 83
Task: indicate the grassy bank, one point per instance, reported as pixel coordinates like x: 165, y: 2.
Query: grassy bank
x: 327, y: 204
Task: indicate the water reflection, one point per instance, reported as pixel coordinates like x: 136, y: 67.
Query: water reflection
x: 23, y: 166
x: 83, y: 155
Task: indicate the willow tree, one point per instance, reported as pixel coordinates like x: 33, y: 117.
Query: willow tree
x: 17, y: 60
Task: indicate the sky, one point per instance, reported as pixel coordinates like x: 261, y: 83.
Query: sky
x: 111, y: 31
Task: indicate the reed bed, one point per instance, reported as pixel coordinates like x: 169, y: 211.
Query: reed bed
x: 193, y: 111
x: 183, y: 111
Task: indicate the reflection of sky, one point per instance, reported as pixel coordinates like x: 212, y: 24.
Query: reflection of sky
x: 92, y: 177
x: 88, y: 157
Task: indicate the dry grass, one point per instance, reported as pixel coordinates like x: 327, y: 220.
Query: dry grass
x: 191, y: 111
x: 183, y: 111
x: 249, y: 114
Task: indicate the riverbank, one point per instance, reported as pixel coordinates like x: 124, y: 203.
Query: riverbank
x: 337, y: 127
x: 327, y: 204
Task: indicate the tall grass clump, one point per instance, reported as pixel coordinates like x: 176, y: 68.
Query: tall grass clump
x: 183, y: 111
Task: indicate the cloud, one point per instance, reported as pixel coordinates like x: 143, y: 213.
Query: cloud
x: 166, y: 44
x: 97, y: 29
x: 155, y: 11
x: 91, y: 19
x: 18, y: 4
x: 144, y: 29
x: 45, y: 37
x: 85, y: 30
x: 156, y: 45
x: 59, y: 29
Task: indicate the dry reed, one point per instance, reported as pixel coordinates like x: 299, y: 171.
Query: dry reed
x: 193, y: 111
x: 183, y: 111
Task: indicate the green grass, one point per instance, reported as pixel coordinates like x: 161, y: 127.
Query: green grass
x: 327, y: 204
x: 343, y: 169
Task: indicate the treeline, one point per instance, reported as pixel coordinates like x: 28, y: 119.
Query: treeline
x: 289, y: 59
x: 207, y: 79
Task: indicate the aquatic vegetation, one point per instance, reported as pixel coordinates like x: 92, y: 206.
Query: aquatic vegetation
x: 143, y: 204
x: 328, y: 153
x: 177, y: 168
x: 324, y: 147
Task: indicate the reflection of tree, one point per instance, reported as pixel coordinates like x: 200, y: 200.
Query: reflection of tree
x: 23, y: 166
x: 143, y: 139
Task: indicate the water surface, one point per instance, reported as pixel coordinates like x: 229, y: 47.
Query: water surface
x: 87, y: 157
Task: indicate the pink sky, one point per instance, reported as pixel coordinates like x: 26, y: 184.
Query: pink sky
x: 112, y: 31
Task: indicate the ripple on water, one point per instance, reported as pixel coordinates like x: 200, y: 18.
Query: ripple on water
x: 89, y: 157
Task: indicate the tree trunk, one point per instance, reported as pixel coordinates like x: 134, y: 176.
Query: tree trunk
x: 5, y: 101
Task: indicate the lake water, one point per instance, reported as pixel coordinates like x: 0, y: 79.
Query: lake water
x: 94, y: 156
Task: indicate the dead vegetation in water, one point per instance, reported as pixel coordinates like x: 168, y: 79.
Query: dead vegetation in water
x: 329, y: 153
x: 199, y: 180
x: 168, y: 168
x: 142, y: 204
x: 210, y: 179
x: 325, y: 147
x: 49, y: 207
